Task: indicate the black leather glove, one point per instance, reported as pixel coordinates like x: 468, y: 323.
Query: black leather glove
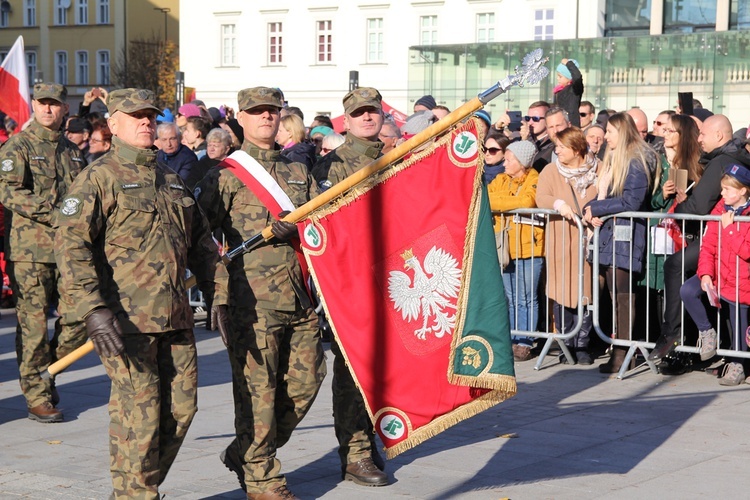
x: 104, y: 331
x: 284, y: 230
x: 220, y: 320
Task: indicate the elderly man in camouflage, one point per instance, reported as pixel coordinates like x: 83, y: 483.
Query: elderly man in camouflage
x: 363, y: 119
x: 36, y: 168
x: 127, y: 231
x: 274, y: 344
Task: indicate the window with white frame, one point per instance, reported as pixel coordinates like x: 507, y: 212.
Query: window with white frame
x: 102, y: 67
x: 61, y: 13
x: 61, y: 67
x: 325, y: 41
x: 102, y: 11
x: 275, y: 54
x: 82, y: 67
x: 29, y: 18
x: 428, y: 30
x: 82, y: 11
x: 486, y: 27
x: 375, y: 40
x: 228, y: 45
x: 31, y: 64
x: 544, y: 24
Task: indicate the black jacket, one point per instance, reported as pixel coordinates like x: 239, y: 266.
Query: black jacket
x: 302, y: 152
x: 569, y: 98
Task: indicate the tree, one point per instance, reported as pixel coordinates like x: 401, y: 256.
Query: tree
x: 149, y: 63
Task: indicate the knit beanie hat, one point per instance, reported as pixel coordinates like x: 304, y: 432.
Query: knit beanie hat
x: 524, y: 151
x: 418, y: 122
x: 427, y: 101
x: 564, y: 71
x: 485, y: 116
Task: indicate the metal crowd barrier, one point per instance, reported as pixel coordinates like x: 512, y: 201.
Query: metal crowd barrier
x: 647, y: 343
x: 543, y: 331
x: 641, y: 339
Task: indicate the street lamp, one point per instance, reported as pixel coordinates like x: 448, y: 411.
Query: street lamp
x: 164, y: 10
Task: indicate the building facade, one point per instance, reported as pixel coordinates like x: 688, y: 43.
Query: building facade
x: 78, y: 42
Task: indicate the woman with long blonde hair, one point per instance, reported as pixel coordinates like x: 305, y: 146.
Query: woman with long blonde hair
x: 623, y: 186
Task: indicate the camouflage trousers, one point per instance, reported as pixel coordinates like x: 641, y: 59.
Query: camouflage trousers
x: 278, y: 366
x: 35, y: 287
x: 152, y: 403
x: 353, y: 427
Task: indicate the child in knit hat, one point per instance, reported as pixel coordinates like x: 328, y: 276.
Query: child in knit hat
x: 569, y: 89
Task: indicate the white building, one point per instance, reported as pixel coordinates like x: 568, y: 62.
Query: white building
x: 307, y: 48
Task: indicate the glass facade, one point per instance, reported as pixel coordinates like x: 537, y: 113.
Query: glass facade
x: 619, y: 73
x: 688, y: 16
x: 627, y: 17
x: 739, y: 15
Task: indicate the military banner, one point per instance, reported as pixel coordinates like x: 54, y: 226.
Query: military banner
x: 408, y: 273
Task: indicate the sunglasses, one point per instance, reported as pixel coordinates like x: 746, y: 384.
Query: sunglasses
x: 584, y: 115
x: 325, y: 150
x: 494, y: 151
x: 533, y: 118
x: 659, y: 124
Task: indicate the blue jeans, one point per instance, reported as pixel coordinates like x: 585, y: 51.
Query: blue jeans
x: 521, y: 282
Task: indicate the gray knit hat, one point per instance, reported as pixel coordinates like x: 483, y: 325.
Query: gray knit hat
x: 524, y: 151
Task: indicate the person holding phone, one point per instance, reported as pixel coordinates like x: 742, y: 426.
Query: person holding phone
x: 88, y: 99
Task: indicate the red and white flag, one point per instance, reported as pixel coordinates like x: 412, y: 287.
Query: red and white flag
x: 14, y: 85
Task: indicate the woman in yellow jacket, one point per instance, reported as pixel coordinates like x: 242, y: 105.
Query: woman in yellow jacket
x: 516, y: 188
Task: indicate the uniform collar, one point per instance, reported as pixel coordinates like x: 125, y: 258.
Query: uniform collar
x: 144, y: 157
x: 371, y: 149
x: 43, y: 132
x: 261, y: 154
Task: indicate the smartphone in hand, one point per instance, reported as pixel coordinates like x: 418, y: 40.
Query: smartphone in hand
x: 515, y: 121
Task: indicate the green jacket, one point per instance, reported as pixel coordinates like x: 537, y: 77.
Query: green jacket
x: 37, y: 168
x: 127, y: 232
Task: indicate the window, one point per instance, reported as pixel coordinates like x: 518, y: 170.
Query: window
x: 61, y: 13
x: 428, y: 30
x: 102, y: 11
x: 544, y: 27
x: 82, y: 67
x: 82, y: 11
x: 375, y: 38
x: 3, y: 55
x: 228, y: 45
x: 325, y: 41
x: 4, y: 18
x: 739, y: 15
x: 485, y: 27
x: 275, y: 55
x: 687, y: 16
x: 102, y: 67
x: 30, y: 10
x: 61, y: 67
x: 31, y: 64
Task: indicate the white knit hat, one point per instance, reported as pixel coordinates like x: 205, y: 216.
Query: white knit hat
x: 524, y: 151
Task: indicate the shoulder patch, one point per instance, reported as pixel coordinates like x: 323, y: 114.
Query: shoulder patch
x: 70, y: 206
x: 7, y: 165
x: 197, y: 192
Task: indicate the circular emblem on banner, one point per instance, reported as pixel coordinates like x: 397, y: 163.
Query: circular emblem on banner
x: 464, y: 149
x: 7, y: 166
x: 392, y: 426
x: 314, y: 238
x: 70, y: 206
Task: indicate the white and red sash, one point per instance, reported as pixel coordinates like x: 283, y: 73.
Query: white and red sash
x: 259, y: 181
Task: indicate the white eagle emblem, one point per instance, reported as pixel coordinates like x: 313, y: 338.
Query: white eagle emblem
x: 429, y: 296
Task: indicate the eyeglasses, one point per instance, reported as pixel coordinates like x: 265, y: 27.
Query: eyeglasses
x: 659, y: 124
x: 533, y: 118
x: 584, y: 115
x: 325, y: 150
x: 669, y: 131
x: 494, y: 151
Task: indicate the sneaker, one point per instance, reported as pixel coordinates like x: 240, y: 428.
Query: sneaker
x: 521, y: 352
x: 707, y: 344
x: 734, y: 374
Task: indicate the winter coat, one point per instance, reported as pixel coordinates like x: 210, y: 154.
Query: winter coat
x: 563, y: 237
x: 629, y: 242
x: 569, y: 98
x: 181, y: 161
x: 507, y: 193
x: 734, y: 265
x: 302, y: 152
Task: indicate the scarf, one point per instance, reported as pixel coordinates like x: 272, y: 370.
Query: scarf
x: 582, y: 177
x: 558, y: 88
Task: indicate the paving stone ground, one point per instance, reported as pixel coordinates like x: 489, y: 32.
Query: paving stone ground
x: 578, y: 434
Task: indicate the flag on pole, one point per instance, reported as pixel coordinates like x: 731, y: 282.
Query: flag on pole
x: 14, y: 85
x: 407, y: 270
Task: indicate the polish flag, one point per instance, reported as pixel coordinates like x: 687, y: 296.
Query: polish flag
x: 14, y: 85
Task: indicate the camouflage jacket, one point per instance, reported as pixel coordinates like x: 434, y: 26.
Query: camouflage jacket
x: 37, y: 167
x: 351, y: 156
x: 126, y: 233
x: 270, y: 276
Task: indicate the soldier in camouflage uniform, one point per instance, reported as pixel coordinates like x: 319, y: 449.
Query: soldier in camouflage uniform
x: 360, y: 461
x: 37, y: 167
x: 274, y: 344
x: 127, y: 231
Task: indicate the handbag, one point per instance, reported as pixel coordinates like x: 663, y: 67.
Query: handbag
x: 502, y: 243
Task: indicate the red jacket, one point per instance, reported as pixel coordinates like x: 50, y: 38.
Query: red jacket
x: 735, y: 242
